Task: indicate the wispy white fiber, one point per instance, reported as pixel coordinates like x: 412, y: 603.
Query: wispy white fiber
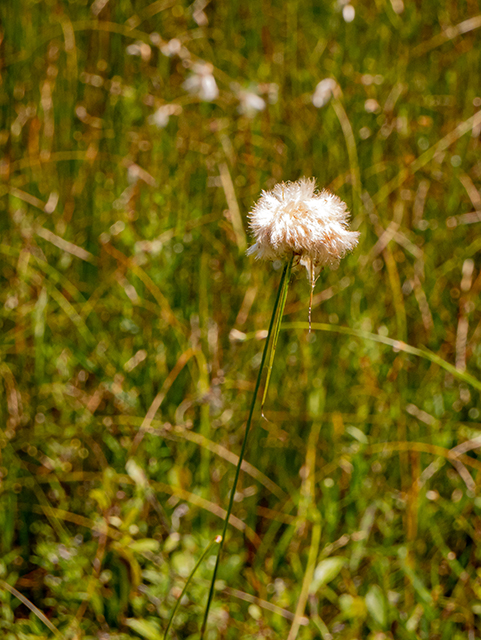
x: 296, y: 219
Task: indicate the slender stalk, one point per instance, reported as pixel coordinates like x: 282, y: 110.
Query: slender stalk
x: 273, y: 340
x: 308, y: 576
x: 198, y: 563
x: 281, y: 294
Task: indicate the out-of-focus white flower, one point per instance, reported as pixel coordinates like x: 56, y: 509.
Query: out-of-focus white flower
x: 198, y: 12
x: 372, y: 106
x: 202, y: 82
x: 135, y: 173
x: 161, y: 117
x: 139, y: 49
x: 172, y: 47
x: 398, y: 6
x: 250, y: 103
x: 324, y: 91
x: 348, y: 13
x: 201, y: 18
x: 295, y: 219
x: 132, y: 173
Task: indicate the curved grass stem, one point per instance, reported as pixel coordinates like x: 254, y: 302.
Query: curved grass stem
x: 35, y: 610
x: 274, y: 326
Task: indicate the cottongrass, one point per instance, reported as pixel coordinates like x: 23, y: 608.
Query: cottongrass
x: 295, y: 223
x: 294, y: 219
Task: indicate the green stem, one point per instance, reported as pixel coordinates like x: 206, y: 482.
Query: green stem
x: 199, y: 562
x: 281, y: 293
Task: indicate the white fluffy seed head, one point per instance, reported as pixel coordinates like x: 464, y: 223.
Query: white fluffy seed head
x: 295, y: 219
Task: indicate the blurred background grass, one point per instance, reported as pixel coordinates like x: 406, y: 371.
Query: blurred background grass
x: 135, y: 137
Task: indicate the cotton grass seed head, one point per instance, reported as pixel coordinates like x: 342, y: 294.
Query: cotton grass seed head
x: 294, y: 219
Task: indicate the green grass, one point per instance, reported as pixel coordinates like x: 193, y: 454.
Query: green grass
x: 131, y: 320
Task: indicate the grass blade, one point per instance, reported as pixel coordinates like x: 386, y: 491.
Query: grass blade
x: 275, y: 335
x: 35, y: 610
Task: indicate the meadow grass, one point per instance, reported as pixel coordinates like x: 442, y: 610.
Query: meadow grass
x: 132, y: 323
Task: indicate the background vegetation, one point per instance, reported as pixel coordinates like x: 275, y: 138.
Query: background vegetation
x: 132, y: 322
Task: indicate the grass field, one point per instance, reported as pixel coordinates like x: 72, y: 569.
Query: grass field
x: 135, y: 137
